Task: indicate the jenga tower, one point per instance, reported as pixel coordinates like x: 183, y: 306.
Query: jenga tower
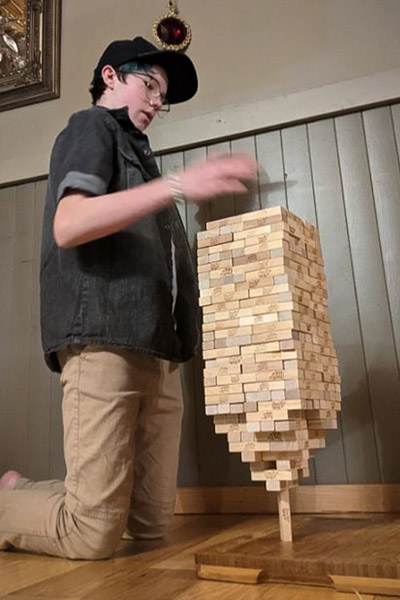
x: 271, y: 372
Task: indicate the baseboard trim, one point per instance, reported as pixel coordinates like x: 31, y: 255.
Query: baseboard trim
x: 377, y: 498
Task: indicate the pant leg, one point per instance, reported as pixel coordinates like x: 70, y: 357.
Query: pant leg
x: 157, y: 441
x: 54, y: 485
x: 102, y: 390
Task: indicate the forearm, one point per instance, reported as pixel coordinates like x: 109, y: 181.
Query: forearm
x: 80, y: 218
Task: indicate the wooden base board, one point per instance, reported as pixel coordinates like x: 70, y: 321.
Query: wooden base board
x: 345, y: 552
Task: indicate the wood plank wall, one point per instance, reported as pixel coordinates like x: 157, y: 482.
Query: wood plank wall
x: 341, y: 174
x: 30, y: 416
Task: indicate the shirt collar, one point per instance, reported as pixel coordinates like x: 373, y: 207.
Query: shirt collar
x: 122, y: 116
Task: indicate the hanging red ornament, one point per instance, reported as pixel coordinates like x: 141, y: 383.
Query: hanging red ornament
x: 171, y: 31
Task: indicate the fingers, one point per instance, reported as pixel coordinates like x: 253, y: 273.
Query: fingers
x: 221, y: 175
x: 229, y: 156
x: 236, y: 165
x: 218, y: 156
x: 236, y: 158
x: 230, y: 186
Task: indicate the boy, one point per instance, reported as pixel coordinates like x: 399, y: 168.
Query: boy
x: 118, y: 311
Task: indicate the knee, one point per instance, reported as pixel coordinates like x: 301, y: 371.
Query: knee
x: 148, y: 521
x: 94, y: 539
x: 151, y: 531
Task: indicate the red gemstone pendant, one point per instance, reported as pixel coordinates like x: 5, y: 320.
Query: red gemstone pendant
x: 172, y: 31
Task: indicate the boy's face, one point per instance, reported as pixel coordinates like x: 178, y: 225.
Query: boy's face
x: 141, y: 94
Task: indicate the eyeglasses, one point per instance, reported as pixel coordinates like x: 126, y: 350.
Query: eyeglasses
x: 152, y: 89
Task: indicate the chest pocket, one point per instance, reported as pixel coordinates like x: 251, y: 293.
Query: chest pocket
x: 135, y: 171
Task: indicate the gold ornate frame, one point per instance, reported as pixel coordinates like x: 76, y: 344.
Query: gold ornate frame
x: 36, y: 75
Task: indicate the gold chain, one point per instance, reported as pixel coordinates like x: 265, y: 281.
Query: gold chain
x: 172, y: 6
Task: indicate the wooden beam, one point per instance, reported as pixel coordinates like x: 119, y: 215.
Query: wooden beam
x: 380, y: 498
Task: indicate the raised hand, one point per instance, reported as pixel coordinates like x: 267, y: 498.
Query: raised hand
x: 220, y: 175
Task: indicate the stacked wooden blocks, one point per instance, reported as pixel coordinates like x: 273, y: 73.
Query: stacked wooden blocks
x: 271, y: 372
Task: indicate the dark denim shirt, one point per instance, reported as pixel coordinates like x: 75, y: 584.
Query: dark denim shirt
x: 115, y: 291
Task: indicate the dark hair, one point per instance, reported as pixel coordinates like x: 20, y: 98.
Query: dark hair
x: 98, y: 87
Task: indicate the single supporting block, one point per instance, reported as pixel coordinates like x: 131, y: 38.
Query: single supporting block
x: 285, y: 518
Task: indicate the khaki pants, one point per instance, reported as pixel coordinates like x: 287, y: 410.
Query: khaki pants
x: 122, y: 415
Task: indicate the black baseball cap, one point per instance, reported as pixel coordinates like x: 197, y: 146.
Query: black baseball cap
x: 182, y: 77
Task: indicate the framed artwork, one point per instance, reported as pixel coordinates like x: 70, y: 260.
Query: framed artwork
x: 29, y: 51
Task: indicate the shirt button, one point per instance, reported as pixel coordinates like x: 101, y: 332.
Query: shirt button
x: 147, y: 152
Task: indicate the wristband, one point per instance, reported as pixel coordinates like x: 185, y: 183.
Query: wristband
x: 175, y: 185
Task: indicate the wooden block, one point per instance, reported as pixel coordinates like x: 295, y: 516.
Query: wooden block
x: 263, y: 383
x: 270, y: 319
x: 221, y: 307
x: 225, y: 399
x: 250, y: 407
x: 264, y: 347
x: 229, y: 428
x: 205, y: 239
x: 232, y: 332
x: 267, y: 425
x: 232, y: 341
x: 208, y: 345
x: 276, y: 356
x: 272, y: 474
x: 252, y: 427
x: 221, y: 370
x: 217, y: 290
x: 250, y: 457
x: 256, y: 232
x: 274, y: 485
x: 233, y: 436
x: 290, y: 424
x: 236, y: 408
x: 221, y: 352
x: 321, y: 414
x: 283, y: 436
x: 235, y: 378
x: 261, y: 292
x: 223, y: 222
x: 286, y: 405
x: 231, y: 420
x: 207, y: 337
x: 228, y: 296
x: 266, y: 303
x: 276, y: 446
x: 288, y: 464
x: 300, y: 456
x: 262, y: 465
x: 218, y: 390
x: 278, y: 394
x: 257, y: 396
x: 226, y: 246
x: 322, y: 423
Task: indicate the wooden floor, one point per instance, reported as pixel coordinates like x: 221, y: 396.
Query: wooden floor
x: 155, y: 571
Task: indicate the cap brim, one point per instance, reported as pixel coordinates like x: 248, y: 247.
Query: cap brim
x: 182, y: 77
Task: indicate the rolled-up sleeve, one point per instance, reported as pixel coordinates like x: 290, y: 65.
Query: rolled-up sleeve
x: 83, y: 155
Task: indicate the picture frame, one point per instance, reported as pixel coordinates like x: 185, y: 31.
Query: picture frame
x: 30, y: 42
